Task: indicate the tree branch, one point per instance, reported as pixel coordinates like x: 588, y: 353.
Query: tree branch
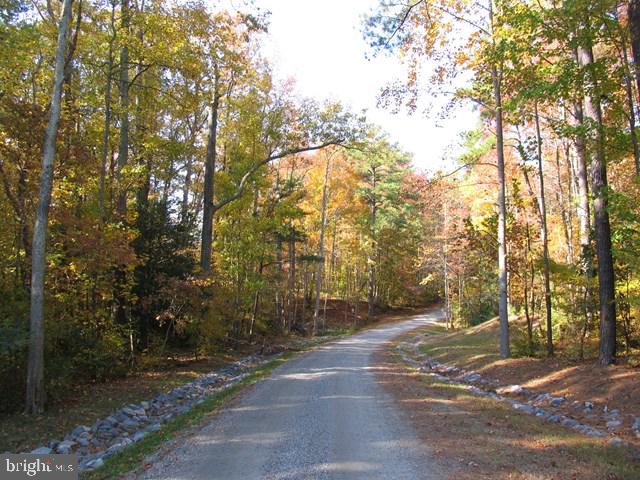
x: 292, y: 151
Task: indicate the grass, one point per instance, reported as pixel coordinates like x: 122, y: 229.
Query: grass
x: 131, y: 457
x: 472, y: 348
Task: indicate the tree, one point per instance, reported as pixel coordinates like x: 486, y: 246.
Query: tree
x: 606, y: 281
x: 35, y: 396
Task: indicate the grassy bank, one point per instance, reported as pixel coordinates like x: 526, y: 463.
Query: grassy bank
x: 476, y: 348
x: 478, y: 438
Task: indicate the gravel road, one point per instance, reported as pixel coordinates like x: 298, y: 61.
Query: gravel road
x: 319, y: 416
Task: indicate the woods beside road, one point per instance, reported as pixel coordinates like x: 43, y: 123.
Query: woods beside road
x: 166, y: 199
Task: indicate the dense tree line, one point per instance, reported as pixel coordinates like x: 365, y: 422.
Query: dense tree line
x: 160, y: 190
x: 544, y: 219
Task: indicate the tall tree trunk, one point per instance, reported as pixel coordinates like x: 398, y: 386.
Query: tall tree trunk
x: 370, y: 260
x: 631, y: 114
x: 544, y: 236
x: 565, y: 213
x: 320, y: 265
x: 525, y: 277
x: 35, y: 394
x: 505, y: 349
x: 292, y: 282
x: 606, y: 280
x: 206, y: 244
x: 634, y: 27
x: 447, y: 309
x: 496, y: 80
x: 123, y: 148
x: 107, y: 117
x: 583, y: 211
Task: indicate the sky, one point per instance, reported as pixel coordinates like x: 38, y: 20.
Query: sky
x: 319, y: 44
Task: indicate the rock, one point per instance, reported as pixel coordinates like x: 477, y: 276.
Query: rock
x: 588, y: 405
x: 93, y: 464
x: 106, y: 432
x: 592, y: 432
x: 139, y: 435
x: 129, y: 412
x: 154, y: 427
x: 83, y: 441
x: 557, y: 401
x: 145, y: 405
x: 613, y: 424
x: 65, y: 447
x: 616, y: 441
x: 111, y: 420
x: 126, y: 441
x: 130, y: 425
x: 79, y: 431
x: 112, y: 449
x: 522, y: 407
x: 511, y: 390
x: 41, y: 451
x: 569, y: 422
x: 554, y: 418
x: 472, y: 377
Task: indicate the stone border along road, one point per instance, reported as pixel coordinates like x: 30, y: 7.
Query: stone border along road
x: 133, y: 422
x: 481, y: 386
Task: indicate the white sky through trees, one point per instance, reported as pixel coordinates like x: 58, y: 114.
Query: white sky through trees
x: 319, y: 44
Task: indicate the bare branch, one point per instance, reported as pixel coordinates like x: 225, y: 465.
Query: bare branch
x: 276, y: 156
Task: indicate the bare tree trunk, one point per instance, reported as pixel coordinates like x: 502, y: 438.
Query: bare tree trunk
x: 631, y: 115
x: 565, y: 214
x: 35, y: 393
x: 357, y: 296
x: 526, y: 296
x: 584, y: 215
x: 292, y: 282
x: 544, y: 236
x: 505, y: 349
x: 496, y: 80
x: 123, y: 149
x: 634, y: 27
x: 107, y: 117
x: 320, y: 265
x: 370, y: 260
x: 446, y: 271
x: 206, y: 244
x: 606, y: 280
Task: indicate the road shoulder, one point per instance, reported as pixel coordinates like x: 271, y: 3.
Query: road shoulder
x: 480, y: 438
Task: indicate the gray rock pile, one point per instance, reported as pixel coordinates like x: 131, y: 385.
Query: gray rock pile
x: 133, y: 422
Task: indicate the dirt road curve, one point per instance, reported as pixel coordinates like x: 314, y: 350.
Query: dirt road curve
x: 319, y: 416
